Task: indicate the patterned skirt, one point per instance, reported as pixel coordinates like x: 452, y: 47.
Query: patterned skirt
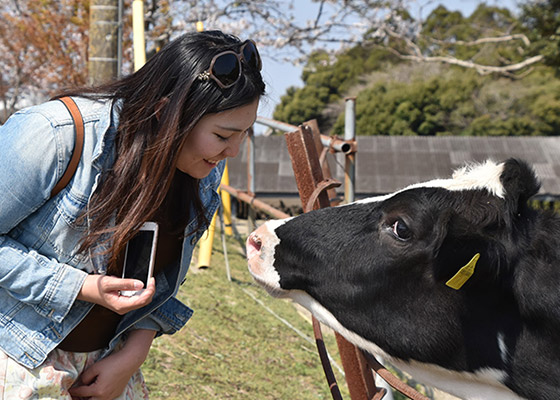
x: 53, y: 378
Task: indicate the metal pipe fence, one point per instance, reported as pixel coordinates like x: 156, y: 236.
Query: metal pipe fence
x: 346, y: 146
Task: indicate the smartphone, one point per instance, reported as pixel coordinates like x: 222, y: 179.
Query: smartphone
x: 140, y: 255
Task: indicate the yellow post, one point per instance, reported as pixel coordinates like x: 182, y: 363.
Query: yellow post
x: 199, y: 26
x: 138, y: 34
x: 207, y: 240
x: 205, y: 247
x: 226, y: 204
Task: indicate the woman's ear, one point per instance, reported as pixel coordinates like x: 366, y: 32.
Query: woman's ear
x: 160, y: 106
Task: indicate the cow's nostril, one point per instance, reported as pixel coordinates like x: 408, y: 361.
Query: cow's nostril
x: 254, y: 245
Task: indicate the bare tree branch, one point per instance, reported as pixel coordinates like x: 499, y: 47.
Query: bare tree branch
x: 343, y: 22
x: 498, y: 39
x: 480, y: 68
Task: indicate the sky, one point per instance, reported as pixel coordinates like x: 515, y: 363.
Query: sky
x: 280, y: 75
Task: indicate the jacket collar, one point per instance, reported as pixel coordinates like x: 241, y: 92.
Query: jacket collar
x: 106, y: 131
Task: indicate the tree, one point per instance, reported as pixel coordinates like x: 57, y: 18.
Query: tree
x: 340, y: 24
x: 542, y: 19
x: 403, y: 98
x: 328, y: 80
x: 337, y: 25
x: 43, y: 45
x: 490, y: 41
x: 385, y: 23
x: 452, y: 101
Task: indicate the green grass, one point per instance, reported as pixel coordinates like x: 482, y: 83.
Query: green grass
x: 233, y: 348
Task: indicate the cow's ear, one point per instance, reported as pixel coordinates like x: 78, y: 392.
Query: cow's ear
x: 457, y: 249
x: 440, y: 230
x: 454, y: 227
x: 520, y: 183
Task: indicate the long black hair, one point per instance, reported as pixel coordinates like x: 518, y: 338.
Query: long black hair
x: 161, y: 103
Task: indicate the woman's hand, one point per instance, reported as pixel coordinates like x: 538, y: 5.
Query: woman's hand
x: 107, y: 379
x: 105, y: 291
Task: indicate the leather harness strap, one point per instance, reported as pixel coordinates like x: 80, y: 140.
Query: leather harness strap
x: 392, y: 380
x: 325, y: 184
x: 323, y: 355
x: 78, y: 146
x: 386, y: 375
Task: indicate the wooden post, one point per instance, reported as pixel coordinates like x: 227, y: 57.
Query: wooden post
x: 103, y: 41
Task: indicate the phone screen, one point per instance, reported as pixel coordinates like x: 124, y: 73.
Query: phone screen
x: 138, y: 256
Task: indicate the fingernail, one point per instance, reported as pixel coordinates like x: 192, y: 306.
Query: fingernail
x: 138, y: 285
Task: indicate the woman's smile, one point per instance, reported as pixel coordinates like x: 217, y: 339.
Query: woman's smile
x: 214, y: 138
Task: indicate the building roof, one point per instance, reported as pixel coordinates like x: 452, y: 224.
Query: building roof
x: 388, y: 163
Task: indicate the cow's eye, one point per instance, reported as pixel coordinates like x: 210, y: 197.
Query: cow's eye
x: 400, y: 230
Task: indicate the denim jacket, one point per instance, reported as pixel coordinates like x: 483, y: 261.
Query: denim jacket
x: 41, y: 271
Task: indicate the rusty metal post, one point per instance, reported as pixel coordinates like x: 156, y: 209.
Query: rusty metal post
x: 308, y: 174
x: 369, y: 376
x: 359, y: 379
x: 322, y: 150
x: 305, y: 163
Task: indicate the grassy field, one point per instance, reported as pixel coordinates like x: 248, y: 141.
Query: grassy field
x: 236, y: 346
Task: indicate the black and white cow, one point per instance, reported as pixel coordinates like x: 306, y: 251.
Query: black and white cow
x: 456, y: 281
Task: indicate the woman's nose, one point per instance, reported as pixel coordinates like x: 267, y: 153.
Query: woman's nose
x: 232, y: 148
x: 231, y: 151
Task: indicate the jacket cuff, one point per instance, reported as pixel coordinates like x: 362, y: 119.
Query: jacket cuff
x: 167, y: 319
x: 61, y: 291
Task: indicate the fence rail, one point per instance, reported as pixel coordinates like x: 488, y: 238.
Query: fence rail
x: 332, y: 142
x: 254, y: 202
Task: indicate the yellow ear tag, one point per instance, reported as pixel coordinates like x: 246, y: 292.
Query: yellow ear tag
x: 464, y: 274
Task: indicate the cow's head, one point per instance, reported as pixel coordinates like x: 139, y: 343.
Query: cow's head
x: 376, y: 270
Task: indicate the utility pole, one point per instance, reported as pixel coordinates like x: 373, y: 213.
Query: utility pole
x: 103, y: 41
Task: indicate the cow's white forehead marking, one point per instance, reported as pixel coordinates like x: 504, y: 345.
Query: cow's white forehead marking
x: 475, y: 176
x: 483, y: 384
x: 375, y: 199
x: 273, y: 224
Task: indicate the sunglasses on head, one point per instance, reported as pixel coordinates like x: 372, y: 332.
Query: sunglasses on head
x: 225, y: 67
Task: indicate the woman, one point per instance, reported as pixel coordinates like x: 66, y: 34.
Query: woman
x: 154, y: 150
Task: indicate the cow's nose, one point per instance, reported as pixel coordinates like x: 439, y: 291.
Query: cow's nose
x: 259, y: 245
x: 254, y: 244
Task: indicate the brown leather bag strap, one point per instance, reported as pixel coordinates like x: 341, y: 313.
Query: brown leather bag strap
x: 78, y: 146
